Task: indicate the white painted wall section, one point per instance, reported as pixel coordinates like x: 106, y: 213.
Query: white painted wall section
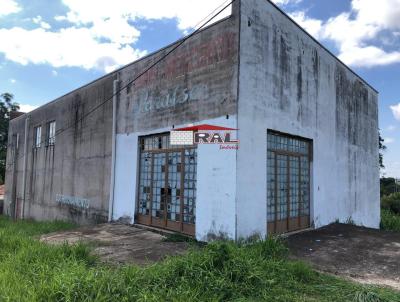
x: 216, y: 188
x: 125, y: 177
x: 216, y: 182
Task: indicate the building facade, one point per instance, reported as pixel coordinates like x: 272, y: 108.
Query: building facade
x: 306, y: 126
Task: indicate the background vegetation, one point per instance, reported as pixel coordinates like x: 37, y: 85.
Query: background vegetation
x: 389, y: 186
x: 390, y: 215
x: 6, y: 107
x: 224, y: 271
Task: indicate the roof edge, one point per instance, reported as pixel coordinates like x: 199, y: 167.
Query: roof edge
x: 321, y: 45
x: 125, y: 66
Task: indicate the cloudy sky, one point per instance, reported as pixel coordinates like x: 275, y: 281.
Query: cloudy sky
x: 50, y: 47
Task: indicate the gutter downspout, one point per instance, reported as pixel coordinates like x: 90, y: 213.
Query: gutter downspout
x: 113, y: 154
x: 25, y: 166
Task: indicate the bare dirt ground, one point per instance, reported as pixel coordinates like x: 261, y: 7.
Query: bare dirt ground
x: 364, y: 255
x: 117, y: 243
x: 361, y: 254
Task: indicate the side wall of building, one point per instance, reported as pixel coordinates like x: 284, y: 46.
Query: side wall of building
x: 289, y: 83
x: 71, y: 179
x: 196, y: 84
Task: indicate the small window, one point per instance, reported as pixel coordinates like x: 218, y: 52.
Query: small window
x: 17, y: 141
x: 38, y: 136
x: 51, y: 133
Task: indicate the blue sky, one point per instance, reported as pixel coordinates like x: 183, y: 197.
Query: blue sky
x: 51, y: 47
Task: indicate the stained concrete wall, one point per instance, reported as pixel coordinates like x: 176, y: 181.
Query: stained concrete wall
x: 289, y: 83
x: 77, y: 166
x: 216, y: 182
x: 286, y: 82
x: 197, y: 81
x: 196, y: 84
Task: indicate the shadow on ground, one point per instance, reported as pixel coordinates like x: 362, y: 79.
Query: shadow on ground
x: 364, y: 255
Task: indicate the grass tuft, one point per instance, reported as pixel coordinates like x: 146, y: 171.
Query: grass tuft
x: 220, y: 271
x: 390, y: 221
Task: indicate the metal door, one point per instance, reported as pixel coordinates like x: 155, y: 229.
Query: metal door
x: 288, y: 196
x: 167, y: 185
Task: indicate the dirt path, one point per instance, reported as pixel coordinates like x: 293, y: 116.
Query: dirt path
x: 117, y: 243
x: 365, y: 255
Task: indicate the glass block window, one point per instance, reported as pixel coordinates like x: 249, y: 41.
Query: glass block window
x: 288, y: 178
x: 167, y: 180
x: 277, y: 141
x: 174, y: 184
x: 158, y: 186
x: 145, y: 185
x: 189, y: 207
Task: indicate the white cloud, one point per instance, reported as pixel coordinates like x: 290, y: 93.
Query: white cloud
x: 27, y: 108
x: 38, y: 20
x: 101, y: 33
x: 72, y: 47
x: 13, y: 81
x: 389, y: 140
x: 355, y: 32
x: 391, y: 128
x: 312, y: 26
x: 54, y: 72
x: 286, y: 2
x: 9, y: 7
x: 396, y: 111
x: 188, y: 12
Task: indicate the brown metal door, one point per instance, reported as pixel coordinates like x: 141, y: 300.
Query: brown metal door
x: 288, y: 196
x: 167, y: 186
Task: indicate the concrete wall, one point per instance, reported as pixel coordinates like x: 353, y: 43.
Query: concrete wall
x: 289, y: 83
x: 216, y: 182
x: 197, y: 81
x: 196, y: 84
x: 77, y: 166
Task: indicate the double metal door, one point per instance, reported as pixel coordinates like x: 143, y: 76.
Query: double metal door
x: 288, y: 184
x: 167, y: 189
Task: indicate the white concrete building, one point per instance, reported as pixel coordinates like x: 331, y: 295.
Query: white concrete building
x: 307, y: 128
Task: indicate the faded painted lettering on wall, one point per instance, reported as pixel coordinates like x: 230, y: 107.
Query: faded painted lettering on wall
x: 171, y: 98
x: 73, y: 201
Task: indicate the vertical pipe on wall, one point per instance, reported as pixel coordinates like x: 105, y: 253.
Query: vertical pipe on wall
x: 13, y: 206
x: 113, y: 155
x: 25, y: 166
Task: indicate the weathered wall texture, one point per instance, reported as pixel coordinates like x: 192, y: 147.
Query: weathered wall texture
x: 78, y: 165
x: 289, y: 83
x: 286, y: 82
x: 196, y: 84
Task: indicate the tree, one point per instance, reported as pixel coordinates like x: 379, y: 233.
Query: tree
x: 382, y: 148
x: 6, y: 107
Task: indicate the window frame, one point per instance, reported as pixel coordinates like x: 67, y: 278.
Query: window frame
x: 37, y: 139
x: 51, y: 139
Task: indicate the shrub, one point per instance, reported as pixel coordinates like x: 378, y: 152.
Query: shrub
x: 220, y: 271
x: 391, y: 203
x: 390, y: 221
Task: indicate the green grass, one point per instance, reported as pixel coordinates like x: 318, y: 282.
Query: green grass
x: 224, y: 271
x: 390, y: 221
x: 391, y: 202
